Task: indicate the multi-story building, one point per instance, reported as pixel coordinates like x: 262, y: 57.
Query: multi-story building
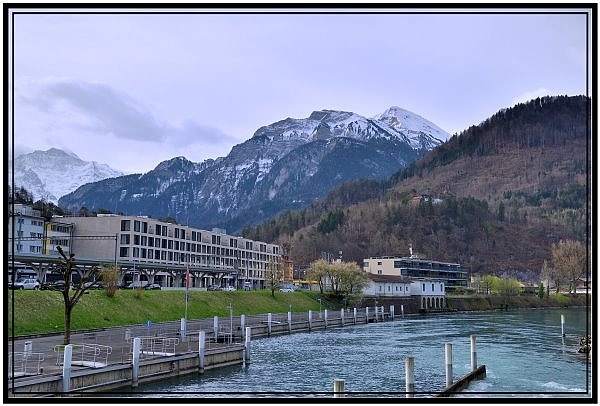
x: 453, y: 274
x: 161, y: 252
x: 142, y: 249
x: 25, y: 230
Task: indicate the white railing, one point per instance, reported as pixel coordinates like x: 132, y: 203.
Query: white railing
x: 157, y: 346
x: 24, y: 363
x: 87, y: 355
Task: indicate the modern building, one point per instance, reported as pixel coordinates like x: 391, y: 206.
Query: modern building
x: 142, y: 249
x: 453, y: 274
x: 162, y: 252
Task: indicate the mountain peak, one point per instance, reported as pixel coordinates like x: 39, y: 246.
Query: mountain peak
x: 53, y: 173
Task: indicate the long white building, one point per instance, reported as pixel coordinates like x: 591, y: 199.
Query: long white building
x: 142, y: 248
x: 161, y: 252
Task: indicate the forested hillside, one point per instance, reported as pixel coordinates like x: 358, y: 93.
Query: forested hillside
x: 493, y: 198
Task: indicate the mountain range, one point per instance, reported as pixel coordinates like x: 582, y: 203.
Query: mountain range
x: 494, y: 198
x: 285, y: 165
x: 50, y: 174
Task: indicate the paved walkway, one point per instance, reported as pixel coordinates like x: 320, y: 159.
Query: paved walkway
x: 107, y: 346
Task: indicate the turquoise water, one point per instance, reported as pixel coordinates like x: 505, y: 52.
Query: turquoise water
x: 524, y: 353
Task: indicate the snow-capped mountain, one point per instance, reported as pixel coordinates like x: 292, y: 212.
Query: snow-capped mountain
x: 283, y: 166
x: 53, y: 173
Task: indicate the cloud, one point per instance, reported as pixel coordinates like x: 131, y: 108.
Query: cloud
x: 94, y: 106
x: 104, y: 124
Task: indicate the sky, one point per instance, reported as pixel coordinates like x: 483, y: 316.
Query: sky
x: 133, y: 90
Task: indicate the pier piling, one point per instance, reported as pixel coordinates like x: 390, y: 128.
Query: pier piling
x: 409, y: 372
x: 338, y: 388
x: 473, y: 352
x: 67, y: 358
x: 201, y: 350
x: 448, y: 364
x: 562, y: 325
x: 135, y: 361
x: 247, y: 345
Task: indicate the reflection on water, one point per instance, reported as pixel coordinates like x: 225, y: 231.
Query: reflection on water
x: 524, y: 354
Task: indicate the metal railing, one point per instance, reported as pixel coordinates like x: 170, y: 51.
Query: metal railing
x: 88, y: 355
x: 24, y: 363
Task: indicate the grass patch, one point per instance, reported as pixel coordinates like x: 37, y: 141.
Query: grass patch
x: 40, y: 312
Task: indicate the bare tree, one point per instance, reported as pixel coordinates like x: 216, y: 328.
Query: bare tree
x: 569, y: 258
x: 273, y: 276
x: 71, y: 296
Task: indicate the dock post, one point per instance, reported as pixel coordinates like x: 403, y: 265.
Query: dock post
x: 309, y: 320
x: 66, y: 375
x: 562, y: 325
x: 247, y: 345
x: 342, y: 316
x: 243, y: 325
x: 409, y: 367
x: 325, y: 318
x: 392, y: 310
x: 290, y: 322
x: 355, y: 315
x: 269, y: 320
x: 27, y: 348
x: 473, y: 352
x: 216, y: 328
x: 183, y: 329
x: 367, y: 314
x: 448, y: 364
x: 338, y: 388
x: 376, y: 314
x: 201, y: 350
x: 402, y: 310
x: 135, y: 361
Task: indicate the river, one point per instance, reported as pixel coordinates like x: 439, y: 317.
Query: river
x: 524, y: 353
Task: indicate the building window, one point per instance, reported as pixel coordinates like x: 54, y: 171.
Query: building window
x: 136, y: 225
x: 124, y: 252
x: 379, y: 272
x: 423, y: 288
x: 125, y: 225
x: 432, y: 287
x: 124, y: 238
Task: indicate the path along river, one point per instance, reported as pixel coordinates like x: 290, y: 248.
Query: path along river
x: 524, y: 353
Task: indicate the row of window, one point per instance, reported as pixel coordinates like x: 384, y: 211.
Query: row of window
x: 168, y: 244
x: 180, y: 233
x: 166, y: 255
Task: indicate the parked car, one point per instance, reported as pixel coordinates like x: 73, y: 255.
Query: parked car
x: 286, y: 290
x: 214, y: 287
x: 136, y: 285
x: 152, y: 286
x: 229, y: 289
x: 93, y: 285
x: 30, y: 283
x: 54, y: 285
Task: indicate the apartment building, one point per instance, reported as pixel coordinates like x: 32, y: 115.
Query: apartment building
x: 160, y: 252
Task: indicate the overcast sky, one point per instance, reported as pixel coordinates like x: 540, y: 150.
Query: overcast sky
x: 133, y: 90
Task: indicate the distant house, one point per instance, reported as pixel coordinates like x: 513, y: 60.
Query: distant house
x: 388, y: 285
x: 430, y: 292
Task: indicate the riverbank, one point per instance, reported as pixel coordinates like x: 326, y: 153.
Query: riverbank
x: 97, y: 311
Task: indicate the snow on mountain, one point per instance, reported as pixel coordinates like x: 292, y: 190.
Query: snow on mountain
x: 54, y: 173
x: 284, y: 165
x: 420, y: 132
